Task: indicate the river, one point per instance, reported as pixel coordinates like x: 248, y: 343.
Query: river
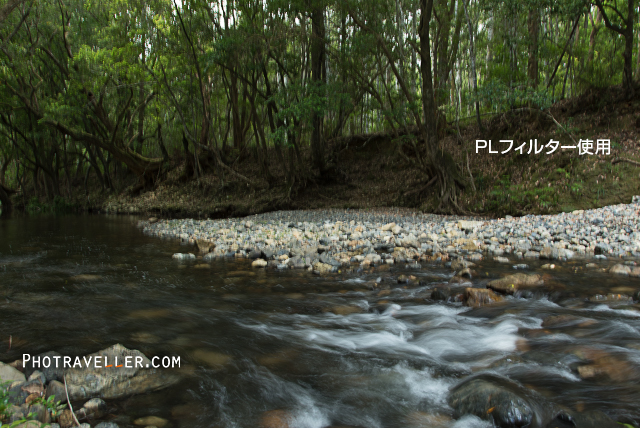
x: 350, y: 349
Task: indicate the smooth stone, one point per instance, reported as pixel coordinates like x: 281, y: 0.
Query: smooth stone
x: 11, y: 374
x: 510, y: 284
x: 151, y: 420
x: 620, y: 269
x: 259, y: 263
x: 276, y: 419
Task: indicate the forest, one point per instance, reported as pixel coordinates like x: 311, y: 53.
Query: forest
x: 245, y: 97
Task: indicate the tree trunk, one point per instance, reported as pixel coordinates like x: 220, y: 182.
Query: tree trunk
x: 317, y: 81
x: 627, y: 33
x: 592, y: 36
x: 5, y: 199
x: 533, y: 24
x: 473, y: 66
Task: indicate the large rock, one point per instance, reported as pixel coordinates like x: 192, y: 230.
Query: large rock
x: 117, y: 382
x: 620, y: 269
x: 56, y: 389
x: 510, y: 284
x: 506, y: 403
x: 10, y: 374
x: 476, y: 297
x: 53, y: 372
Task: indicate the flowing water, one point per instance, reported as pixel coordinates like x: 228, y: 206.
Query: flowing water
x: 346, y: 349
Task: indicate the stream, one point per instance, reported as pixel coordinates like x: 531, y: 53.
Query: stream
x: 354, y: 348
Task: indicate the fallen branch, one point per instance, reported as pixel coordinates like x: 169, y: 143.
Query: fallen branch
x: 620, y: 160
x: 66, y: 391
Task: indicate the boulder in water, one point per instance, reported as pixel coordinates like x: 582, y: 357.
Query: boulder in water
x: 510, y: 284
x: 117, y: 382
x: 504, y: 402
x: 476, y: 297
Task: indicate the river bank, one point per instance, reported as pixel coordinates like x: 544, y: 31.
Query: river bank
x: 327, y: 240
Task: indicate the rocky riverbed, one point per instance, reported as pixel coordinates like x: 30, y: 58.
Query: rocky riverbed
x: 329, y: 240
x: 38, y: 394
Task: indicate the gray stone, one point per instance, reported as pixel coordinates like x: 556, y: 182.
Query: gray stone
x: 10, y: 374
x: 56, y: 389
x: 94, y: 408
x: 184, y: 256
x: 297, y: 263
x: 254, y: 254
x: 38, y: 376
x: 113, y: 383
x: 324, y: 258
x: 620, y: 270
x: 107, y: 425
x: 460, y: 264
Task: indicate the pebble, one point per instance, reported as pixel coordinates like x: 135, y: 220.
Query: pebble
x: 405, y: 236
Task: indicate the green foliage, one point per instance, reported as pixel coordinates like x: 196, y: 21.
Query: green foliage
x: 497, y: 96
x: 52, y: 406
x: 508, y: 198
x: 5, y: 406
x: 59, y: 206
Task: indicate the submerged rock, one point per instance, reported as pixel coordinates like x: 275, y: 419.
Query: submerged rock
x: 276, y: 419
x: 151, y: 421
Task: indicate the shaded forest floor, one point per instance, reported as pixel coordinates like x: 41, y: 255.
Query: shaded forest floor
x: 371, y: 172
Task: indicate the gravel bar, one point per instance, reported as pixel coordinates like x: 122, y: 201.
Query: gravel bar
x: 325, y: 240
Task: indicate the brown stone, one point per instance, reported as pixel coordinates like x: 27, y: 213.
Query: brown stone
x: 65, y: 420
x: 476, y: 297
x: 510, y: 284
x: 606, y: 364
x: 276, y: 419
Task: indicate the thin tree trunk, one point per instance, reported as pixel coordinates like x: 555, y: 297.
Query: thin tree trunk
x: 533, y: 22
x: 317, y: 78
x: 473, y: 65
